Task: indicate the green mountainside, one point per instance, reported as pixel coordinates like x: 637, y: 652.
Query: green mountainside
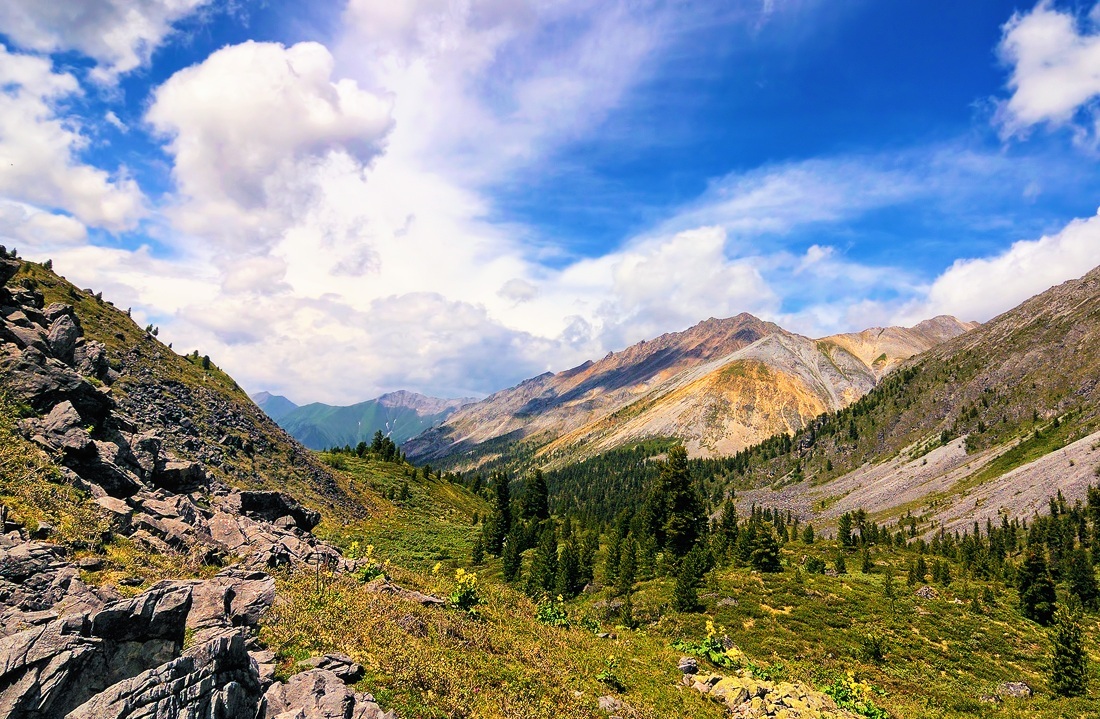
x: 274, y: 406
x: 397, y: 415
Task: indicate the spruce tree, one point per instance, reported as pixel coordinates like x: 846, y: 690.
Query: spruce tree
x: 567, y: 583
x: 808, y: 534
x: 844, y: 530
x: 544, y: 566
x: 685, y: 595
x: 512, y: 558
x: 501, y: 521
x: 627, y: 566
x: 765, y: 553
x: 1081, y: 578
x: 865, y: 563
x: 841, y: 567
x: 1069, y: 676
x: 1036, y: 589
x: 536, y: 497
x: 477, y: 554
x: 674, y: 510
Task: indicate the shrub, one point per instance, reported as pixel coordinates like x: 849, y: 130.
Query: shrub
x: 552, y: 613
x: 1068, y: 666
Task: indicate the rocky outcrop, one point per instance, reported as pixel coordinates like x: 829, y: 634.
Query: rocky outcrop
x: 69, y: 649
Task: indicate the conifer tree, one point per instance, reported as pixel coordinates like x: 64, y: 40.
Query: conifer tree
x: 685, y: 595
x: 1037, y: 596
x: 841, y: 567
x: 765, y: 553
x: 567, y: 582
x: 808, y: 534
x: 674, y: 509
x: 1068, y: 666
x: 544, y: 566
x: 590, y: 545
x: 1081, y: 578
x: 627, y: 566
x: 477, y: 554
x: 844, y: 530
x: 865, y: 563
x: 536, y: 501
x: 512, y: 558
x: 626, y: 612
x: 501, y: 522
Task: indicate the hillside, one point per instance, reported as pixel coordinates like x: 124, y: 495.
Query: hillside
x: 398, y: 415
x: 720, y: 386
x: 984, y: 425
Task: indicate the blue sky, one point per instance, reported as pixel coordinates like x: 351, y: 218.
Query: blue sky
x: 338, y: 199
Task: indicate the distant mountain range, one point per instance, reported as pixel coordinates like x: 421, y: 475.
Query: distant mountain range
x: 399, y: 415
x: 720, y: 386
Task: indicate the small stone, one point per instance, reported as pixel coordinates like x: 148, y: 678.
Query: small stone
x: 688, y: 665
x: 1019, y: 690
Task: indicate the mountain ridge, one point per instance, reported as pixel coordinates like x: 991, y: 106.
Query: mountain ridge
x: 605, y: 403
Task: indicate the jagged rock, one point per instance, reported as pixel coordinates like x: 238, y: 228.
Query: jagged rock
x: 383, y: 586
x: 317, y: 694
x: 609, y: 703
x: 26, y: 560
x: 43, y: 382
x: 119, y: 511
x: 48, y: 670
x: 59, y: 309
x: 265, y: 666
x: 214, y: 681
x: 62, y: 337
x: 8, y: 268
x: 233, y: 598
x: 180, y: 477
x: 273, y: 506
x: 341, y: 665
x: 688, y: 665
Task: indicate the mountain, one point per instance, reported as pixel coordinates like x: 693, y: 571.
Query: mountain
x: 398, y: 415
x: 983, y: 426
x: 274, y: 406
x: 720, y: 386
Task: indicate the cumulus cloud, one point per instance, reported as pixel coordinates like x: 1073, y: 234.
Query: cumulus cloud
x: 1055, y: 68
x: 981, y: 288
x: 249, y: 125
x: 40, y: 146
x: 120, y: 35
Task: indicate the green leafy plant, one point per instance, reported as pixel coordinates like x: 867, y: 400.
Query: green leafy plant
x: 552, y: 613
x: 609, y: 677
x: 712, y: 650
x: 856, y: 696
x: 465, y: 596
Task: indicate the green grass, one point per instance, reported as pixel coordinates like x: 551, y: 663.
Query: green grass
x: 1036, y: 445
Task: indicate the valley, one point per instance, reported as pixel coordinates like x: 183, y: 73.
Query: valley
x: 866, y: 560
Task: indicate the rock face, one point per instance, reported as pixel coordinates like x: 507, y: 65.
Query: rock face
x: 68, y: 649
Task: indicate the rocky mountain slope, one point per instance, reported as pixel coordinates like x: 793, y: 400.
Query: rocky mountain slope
x: 720, y: 386
x: 985, y: 425
x: 101, y: 493
x: 398, y: 415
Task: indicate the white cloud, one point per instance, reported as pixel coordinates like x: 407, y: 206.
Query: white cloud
x: 1055, y: 68
x: 981, y: 288
x: 40, y: 146
x: 35, y: 228
x: 250, y: 127
x: 120, y: 35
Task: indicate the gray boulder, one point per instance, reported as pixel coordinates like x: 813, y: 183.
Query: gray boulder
x: 341, y: 665
x: 214, y: 681
x: 317, y: 694
x: 62, y: 338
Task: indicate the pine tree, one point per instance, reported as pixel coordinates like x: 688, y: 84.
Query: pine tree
x: 674, y: 509
x: 841, y: 567
x: 536, y: 502
x: 1037, y: 596
x: 1068, y: 667
x: 477, y: 554
x: 512, y: 558
x: 685, y: 595
x: 626, y: 612
x: 765, y: 553
x: 544, y: 566
x: 1081, y: 578
x: 567, y: 583
x: 808, y: 534
x: 589, y: 547
x: 627, y: 567
x: 501, y: 522
x: 865, y: 563
x: 844, y: 530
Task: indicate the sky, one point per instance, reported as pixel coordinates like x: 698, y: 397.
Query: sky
x: 339, y: 198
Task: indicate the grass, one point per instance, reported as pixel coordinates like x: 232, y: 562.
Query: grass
x: 940, y: 656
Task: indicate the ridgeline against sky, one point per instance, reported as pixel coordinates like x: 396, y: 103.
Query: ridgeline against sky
x: 334, y: 199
